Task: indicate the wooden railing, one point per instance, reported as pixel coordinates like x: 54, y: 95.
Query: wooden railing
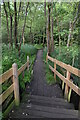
x: 13, y: 73
x: 69, y: 85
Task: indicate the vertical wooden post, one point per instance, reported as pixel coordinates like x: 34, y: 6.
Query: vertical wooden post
x: 55, y: 69
x: 66, y: 87
x: 16, y: 84
x: 27, y: 62
x: 69, y: 94
x: 63, y: 81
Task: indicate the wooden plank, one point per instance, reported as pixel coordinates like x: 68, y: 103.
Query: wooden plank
x: 22, y: 68
x: 6, y: 93
x: 5, y: 76
x: 5, y: 114
x: 66, y: 87
x: 69, y: 83
x: 71, y: 69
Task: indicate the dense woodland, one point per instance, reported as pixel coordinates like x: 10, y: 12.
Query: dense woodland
x: 28, y: 26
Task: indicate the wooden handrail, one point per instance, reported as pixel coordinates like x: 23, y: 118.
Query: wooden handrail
x: 66, y: 80
x: 5, y: 76
x: 69, y: 83
x: 14, y: 73
x: 71, y: 69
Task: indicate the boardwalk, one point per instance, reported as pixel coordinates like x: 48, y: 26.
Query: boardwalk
x: 44, y: 101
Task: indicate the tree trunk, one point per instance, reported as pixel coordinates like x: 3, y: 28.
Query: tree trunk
x: 70, y: 34
x: 10, y: 24
x: 23, y: 28
x: 44, y: 39
x: 72, y: 25
x: 58, y: 29
x: 7, y: 23
x: 48, y: 30
x: 15, y: 25
x: 52, y: 40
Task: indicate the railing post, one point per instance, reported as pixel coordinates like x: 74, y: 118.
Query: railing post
x: 55, y: 70
x: 66, y: 87
x: 16, y: 84
x: 27, y: 62
x: 69, y: 94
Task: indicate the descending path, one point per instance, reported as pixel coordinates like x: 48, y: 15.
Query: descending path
x: 39, y: 85
x: 44, y: 101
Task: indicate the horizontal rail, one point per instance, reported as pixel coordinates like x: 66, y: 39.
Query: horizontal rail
x: 71, y: 69
x: 69, y: 83
x: 6, y: 93
x: 22, y: 68
x: 5, y: 76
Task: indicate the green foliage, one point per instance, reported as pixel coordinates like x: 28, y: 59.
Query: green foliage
x: 28, y: 49
x: 37, y: 46
x: 68, y: 55
x: 11, y: 56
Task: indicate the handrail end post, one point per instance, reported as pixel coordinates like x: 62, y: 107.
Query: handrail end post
x: 16, y: 84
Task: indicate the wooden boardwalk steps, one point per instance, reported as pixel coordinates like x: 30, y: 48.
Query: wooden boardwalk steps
x: 45, y: 101
x: 42, y: 100
x: 44, y: 107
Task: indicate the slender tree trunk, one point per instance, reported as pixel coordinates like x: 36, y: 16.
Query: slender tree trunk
x: 10, y: 24
x: 15, y: 25
x: 70, y: 34
x: 7, y: 23
x: 48, y: 30
x: 71, y: 27
x: 23, y: 28
x: 57, y: 20
x: 44, y: 35
x: 19, y: 10
x: 52, y: 39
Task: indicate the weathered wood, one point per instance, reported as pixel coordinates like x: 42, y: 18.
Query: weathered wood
x: 16, y: 84
x: 5, y: 76
x: 66, y: 87
x: 27, y: 62
x: 54, y: 73
x: 6, y: 93
x: 69, y: 83
x: 8, y: 109
x: 69, y: 68
x: 62, y: 85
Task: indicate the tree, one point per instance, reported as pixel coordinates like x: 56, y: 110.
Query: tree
x: 23, y: 27
x: 15, y: 24
x: 52, y: 39
x: 7, y: 23
x: 11, y: 19
x: 48, y: 30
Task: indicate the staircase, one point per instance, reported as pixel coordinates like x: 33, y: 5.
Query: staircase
x: 34, y: 106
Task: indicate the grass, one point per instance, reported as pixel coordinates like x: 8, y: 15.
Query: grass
x: 49, y: 74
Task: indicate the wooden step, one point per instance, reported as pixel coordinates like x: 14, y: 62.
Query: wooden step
x: 48, y: 98
x: 49, y: 109
x: 36, y: 97
x: 51, y: 104
x: 39, y: 111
